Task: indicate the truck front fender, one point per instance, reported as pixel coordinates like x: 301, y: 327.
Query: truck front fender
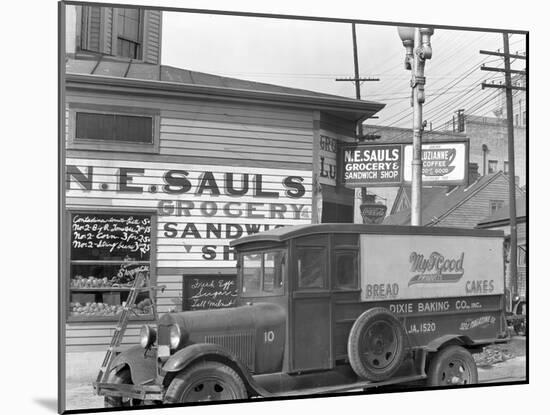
x: 142, y: 364
x: 207, y: 351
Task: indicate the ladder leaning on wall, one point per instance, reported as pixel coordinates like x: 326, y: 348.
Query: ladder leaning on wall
x: 141, y: 283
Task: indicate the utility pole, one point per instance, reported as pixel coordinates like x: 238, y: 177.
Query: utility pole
x: 357, y: 80
x: 418, y: 49
x: 511, y: 156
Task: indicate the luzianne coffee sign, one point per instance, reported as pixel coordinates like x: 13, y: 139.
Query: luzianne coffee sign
x: 390, y: 164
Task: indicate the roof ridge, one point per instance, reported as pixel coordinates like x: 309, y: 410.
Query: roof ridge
x: 468, y: 196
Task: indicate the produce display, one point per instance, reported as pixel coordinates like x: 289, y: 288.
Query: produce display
x: 102, y: 309
x: 78, y: 281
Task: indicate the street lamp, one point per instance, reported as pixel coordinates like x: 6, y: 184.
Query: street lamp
x: 418, y: 49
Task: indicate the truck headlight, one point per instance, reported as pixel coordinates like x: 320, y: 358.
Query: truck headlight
x: 147, y: 336
x: 175, y: 337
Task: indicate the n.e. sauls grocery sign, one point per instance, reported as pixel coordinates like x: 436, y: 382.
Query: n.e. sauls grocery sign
x: 390, y: 164
x: 200, y: 208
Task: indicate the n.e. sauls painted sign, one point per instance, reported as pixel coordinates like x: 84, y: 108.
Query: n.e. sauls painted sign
x: 200, y: 208
x: 400, y: 267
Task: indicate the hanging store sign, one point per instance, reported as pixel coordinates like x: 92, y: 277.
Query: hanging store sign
x: 444, y: 163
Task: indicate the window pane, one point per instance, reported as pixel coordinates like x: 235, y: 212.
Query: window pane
x: 273, y: 279
x: 134, y: 129
x: 252, y: 273
x: 95, y: 126
x: 346, y: 270
x: 311, y: 267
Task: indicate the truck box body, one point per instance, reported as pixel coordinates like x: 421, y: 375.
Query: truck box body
x: 439, y: 284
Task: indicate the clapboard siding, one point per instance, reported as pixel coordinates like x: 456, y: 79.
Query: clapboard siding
x: 197, y: 136
x: 477, y: 208
x: 233, y: 132
x: 211, y: 220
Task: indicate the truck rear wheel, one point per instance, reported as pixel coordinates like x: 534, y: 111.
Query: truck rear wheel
x: 376, y: 345
x: 452, y: 366
x: 206, y: 381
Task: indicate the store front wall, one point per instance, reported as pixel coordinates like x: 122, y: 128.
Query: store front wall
x: 213, y: 172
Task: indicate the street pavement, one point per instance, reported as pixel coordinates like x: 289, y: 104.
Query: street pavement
x: 513, y: 369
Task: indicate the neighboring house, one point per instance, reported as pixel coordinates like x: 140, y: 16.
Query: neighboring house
x: 458, y: 206
x: 501, y: 220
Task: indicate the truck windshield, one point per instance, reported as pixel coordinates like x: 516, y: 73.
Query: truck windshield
x: 262, y: 273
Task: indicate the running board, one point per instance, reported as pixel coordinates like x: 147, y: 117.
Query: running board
x: 350, y: 386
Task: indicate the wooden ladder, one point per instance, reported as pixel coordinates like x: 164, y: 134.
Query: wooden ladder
x: 122, y: 324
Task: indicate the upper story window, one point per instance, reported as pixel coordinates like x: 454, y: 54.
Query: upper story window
x: 93, y: 127
x: 493, y: 165
x: 129, y: 33
x: 114, y: 127
x: 495, y: 205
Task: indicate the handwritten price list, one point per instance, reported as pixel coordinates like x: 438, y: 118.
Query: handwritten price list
x: 207, y: 292
x: 110, y: 237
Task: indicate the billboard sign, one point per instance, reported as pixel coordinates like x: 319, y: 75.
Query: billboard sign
x: 444, y: 163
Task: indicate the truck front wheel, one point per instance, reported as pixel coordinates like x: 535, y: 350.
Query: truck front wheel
x: 122, y: 377
x: 206, y: 381
x: 452, y: 366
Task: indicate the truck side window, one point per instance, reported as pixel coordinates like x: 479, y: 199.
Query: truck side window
x: 252, y: 273
x: 311, y: 267
x: 263, y: 273
x: 273, y: 276
x: 346, y: 270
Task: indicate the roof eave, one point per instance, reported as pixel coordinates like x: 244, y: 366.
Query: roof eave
x: 354, y: 109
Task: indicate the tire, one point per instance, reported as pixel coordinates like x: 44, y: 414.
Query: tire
x: 206, y: 381
x: 376, y: 345
x: 452, y: 366
x: 121, y: 377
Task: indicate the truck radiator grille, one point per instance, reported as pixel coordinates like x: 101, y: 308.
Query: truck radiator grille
x: 240, y: 344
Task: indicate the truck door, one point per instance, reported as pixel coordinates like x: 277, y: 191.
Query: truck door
x: 310, y: 305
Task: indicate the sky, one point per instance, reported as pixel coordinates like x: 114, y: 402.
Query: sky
x: 311, y: 55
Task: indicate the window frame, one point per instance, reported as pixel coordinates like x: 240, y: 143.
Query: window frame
x: 75, y: 143
x: 261, y: 292
x: 489, y: 166
x: 70, y: 211
x: 115, y: 33
x: 343, y: 251
x: 497, y: 203
x: 325, y: 271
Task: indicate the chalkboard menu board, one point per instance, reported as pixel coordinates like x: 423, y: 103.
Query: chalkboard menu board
x: 203, y: 292
x: 110, y: 237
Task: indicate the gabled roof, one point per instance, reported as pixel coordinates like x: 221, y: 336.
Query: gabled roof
x: 502, y: 215
x: 439, y: 202
x: 115, y: 71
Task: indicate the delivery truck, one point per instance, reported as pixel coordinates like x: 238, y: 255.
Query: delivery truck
x: 327, y: 308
